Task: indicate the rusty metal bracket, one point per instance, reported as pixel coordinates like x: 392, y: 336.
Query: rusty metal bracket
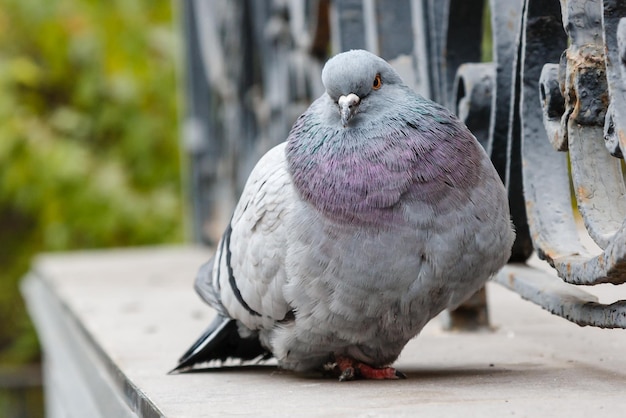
x: 559, y: 298
x: 565, y: 70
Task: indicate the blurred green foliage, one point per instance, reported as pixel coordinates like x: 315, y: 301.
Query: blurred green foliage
x: 88, y: 138
x: 487, y: 40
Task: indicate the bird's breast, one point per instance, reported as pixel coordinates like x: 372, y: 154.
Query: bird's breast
x: 351, y: 179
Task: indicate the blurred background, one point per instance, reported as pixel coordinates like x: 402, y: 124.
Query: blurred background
x: 89, y: 150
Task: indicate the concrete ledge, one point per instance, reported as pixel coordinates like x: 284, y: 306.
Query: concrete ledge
x: 112, y: 323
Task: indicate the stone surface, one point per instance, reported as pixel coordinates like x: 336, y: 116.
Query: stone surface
x: 136, y: 313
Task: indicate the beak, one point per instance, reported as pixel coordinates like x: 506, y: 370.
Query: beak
x: 348, y: 107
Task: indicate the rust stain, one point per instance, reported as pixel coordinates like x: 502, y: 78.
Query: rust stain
x: 588, y: 55
x: 583, y: 194
x: 601, y: 260
x: 559, y: 143
x: 622, y: 137
x: 605, y: 97
x: 575, y: 110
x: 550, y: 254
x: 587, y: 59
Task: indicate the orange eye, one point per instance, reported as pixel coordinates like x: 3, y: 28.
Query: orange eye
x: 378, y: 82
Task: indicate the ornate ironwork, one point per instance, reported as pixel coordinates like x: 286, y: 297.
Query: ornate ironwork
x: 550, y: 109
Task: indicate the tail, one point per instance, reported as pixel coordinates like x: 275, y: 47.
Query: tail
x: 221, y: 341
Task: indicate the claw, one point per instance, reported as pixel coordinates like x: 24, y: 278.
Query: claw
x: 347, y: 375
x: 400, y: 375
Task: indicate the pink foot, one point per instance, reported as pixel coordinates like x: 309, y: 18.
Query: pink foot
x: 351, y: 369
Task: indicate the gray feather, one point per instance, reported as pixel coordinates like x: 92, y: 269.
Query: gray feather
x: 348, y: 239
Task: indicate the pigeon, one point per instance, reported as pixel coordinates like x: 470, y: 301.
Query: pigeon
x: 379, y: 211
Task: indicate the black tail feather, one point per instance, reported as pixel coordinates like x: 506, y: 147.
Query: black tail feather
x: 221, y: 341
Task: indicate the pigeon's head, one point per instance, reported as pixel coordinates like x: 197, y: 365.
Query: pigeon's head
x: 357, y: 81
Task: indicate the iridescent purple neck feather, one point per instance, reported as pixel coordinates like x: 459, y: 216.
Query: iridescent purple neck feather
x: 365, y: 173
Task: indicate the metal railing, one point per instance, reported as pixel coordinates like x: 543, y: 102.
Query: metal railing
x: 550, y: 109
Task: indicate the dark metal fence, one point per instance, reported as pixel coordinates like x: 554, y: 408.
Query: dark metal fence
x: 550, y: 109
